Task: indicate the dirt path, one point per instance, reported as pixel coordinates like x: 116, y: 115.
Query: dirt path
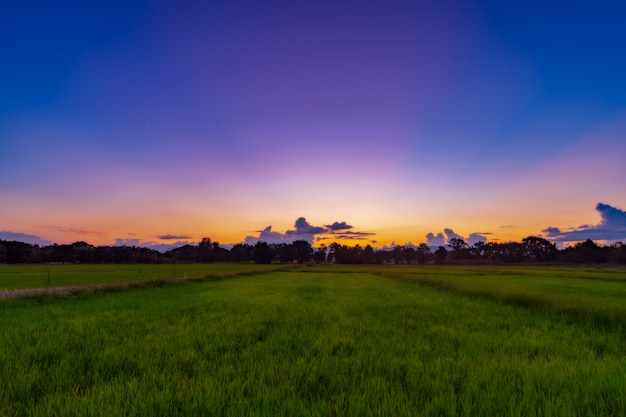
x: 64, y: 291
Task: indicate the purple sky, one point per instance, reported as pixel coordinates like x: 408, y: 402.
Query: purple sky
x: 146, y: 121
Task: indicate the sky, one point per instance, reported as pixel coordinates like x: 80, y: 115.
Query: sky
x: 156, y: 123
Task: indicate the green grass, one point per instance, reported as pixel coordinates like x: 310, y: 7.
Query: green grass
x: 591, y: 293
x: 14, y: 277
x: 316, y: 341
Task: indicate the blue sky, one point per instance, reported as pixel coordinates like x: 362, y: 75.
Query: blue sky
x: 126, y: 121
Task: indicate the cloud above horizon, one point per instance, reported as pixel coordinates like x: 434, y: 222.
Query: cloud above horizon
x: 23, y: 237
x: 303, y: 230
x: 173, y: 237
x: 440, y: 239
x: 158, y: 246
x: 612, y: 227
x: 338, y: 226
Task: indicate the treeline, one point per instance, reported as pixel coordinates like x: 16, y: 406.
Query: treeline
x: 531, y: 249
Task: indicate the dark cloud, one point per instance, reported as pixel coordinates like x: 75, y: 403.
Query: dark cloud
x: 265, y: 235
x: 173, y: 237
x: 351, y: 237
x: 440, y: 240
x: 161, y: 247
x: 338, y: 226
x: 354, y: 235
x: 24, y: 237
x: 612, y: 227
x: 303, y: 230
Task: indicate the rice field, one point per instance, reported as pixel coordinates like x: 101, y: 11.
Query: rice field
x: 15, y: 277
x: 325, y: 340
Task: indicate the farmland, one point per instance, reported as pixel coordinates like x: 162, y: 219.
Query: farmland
x: 324, y: 340
x: 15, y: 277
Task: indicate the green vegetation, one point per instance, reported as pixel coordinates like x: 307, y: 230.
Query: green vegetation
x: 14, y: 277
x: 324, y: 340
x: 590, y: 293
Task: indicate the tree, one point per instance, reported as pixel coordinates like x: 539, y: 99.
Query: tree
x: 476, y: 251
x: 302, y: 251
x: 206, y: 250
x: 368, y: 255
x: 263, y: 253
x: 242, y: 253
x: 459, y: 249
x: 586, y: 252
x: 618, y: 253
x: 320, y: 254
x: 441, y: 254
x: 423, y: 253
x: 538, y: 249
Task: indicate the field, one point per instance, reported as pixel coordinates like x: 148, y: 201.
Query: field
x: 326, y: 340
x: 14, y: 277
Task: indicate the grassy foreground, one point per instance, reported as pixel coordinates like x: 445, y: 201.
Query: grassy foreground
x: 315, y: 341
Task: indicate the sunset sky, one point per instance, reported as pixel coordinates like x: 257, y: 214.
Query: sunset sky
x: 155, y: 123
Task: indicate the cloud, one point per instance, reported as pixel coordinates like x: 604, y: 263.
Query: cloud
x: 303, y: 230
x: 350, y: 235
x: 338, y: 226
x: 474, y: 238
x: 440, y: 240
x: 79, y: 231
x: 435, y: 240
x: 612, y: 227
x: 161, y: 247
x: 265, y: 235
x: 23, y: 237
x: 173, y: 237
x: 451, y: 235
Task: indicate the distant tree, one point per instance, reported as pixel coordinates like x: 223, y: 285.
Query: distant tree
x: 586, y: 252
x: 302, y: 251
x: 422, y: 253
x: 383, y: 257
x: 320, y: 254
x: 397, y: 254
x: 242, y: 253
x: 476, y: 250
x: 332, y: 252
x: 3, y: 253
x: 206, y: 250
x: 368, y: 256
x: 538, y: 249
x: 83, y: 252
x: 263, y: 253
x: 506, y: 252
x: 459, y: 249
x: 18, y: 252
x: 185, y: 253
x: 617, y: 253
x: 441, y: 255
